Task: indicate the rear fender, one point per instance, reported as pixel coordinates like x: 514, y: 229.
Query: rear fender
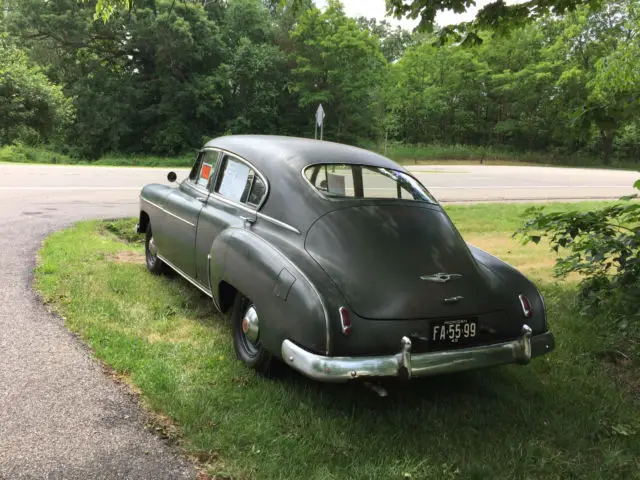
x: 513, y: 283
x: 288, y: 304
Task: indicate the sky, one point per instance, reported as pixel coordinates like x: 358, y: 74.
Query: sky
x: 376, y: 9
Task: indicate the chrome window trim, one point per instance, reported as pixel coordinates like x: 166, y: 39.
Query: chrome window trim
x: 332, y: 199
x: 198, y: 188
x: 168, y: 212
x: 202, y: 189
x: 325, y: 311
x: 260, y: 215
x: 250, y: 165
x: 242, y: 206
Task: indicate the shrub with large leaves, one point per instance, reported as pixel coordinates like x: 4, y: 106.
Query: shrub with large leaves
x: 603, y: 246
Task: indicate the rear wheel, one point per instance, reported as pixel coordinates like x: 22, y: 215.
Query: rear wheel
x: 154, y: 264
x: 246, y: 335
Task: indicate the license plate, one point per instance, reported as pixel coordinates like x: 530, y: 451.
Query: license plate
x: 453, y: 332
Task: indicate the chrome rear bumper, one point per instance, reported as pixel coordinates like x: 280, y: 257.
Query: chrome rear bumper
x: 341, y: 369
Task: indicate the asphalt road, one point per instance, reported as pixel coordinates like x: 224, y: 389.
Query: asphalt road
x: 60, y: 415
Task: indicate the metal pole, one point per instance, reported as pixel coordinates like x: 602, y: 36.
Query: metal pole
x: 321, y: 130
x: 316, y: 134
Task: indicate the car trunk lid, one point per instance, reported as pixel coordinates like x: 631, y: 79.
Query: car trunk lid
x: 402, y: 261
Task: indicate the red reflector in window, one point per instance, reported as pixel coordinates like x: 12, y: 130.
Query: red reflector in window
x: 527, y: 310
x: 345, y: 320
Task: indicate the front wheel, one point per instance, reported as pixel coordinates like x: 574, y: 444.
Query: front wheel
x: 154, y: 264
x: 246, y: 335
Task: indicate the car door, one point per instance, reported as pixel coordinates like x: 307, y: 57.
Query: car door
x: 184, y: 206
x: 238, y: 191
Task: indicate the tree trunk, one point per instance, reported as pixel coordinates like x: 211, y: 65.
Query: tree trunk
x: 607, y: 145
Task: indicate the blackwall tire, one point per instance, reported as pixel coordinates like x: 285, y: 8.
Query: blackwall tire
x: 248, y: 347
x: 154, y: 264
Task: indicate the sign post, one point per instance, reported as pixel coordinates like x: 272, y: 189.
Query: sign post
x: 319, y: 121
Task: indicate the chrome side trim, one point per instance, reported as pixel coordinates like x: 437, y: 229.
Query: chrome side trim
x: 186, y: 277
x: 313, y: 287
x: 403, y: 363
x: 168, y: 212
x: 278, y: 223
x: 260, y: 215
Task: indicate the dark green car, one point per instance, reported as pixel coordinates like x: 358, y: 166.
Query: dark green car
x: 338, y: 262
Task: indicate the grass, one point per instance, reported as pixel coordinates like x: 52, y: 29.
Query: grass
x: 24, y: 154
x: 489, y: 155
x: 405, y: 154
x: 564, y: 416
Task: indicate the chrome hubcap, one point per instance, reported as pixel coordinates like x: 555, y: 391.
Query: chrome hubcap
x: 250, y: 324
x: 153, y: 250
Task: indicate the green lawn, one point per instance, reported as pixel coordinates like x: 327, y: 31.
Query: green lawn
x: 568, y: 415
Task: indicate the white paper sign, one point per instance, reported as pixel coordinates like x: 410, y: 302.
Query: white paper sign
x: 335, y: 184
x: 234, y: 180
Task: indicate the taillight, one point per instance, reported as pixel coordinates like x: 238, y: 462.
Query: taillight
x: 527, y: 310
x: 345, y: 320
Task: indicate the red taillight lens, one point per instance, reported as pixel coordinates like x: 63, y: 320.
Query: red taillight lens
x: 527, y: 310
x: 345, y: 320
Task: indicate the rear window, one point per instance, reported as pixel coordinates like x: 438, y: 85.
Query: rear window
x: 361, y: 181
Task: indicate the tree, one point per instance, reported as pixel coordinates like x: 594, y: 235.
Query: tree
x: 496, y: 16
x: 339, y: 65
x: 393, y: 41
x: 598, y: 87
x: 31, y: 107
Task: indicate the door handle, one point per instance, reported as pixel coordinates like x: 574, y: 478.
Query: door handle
x: 250, y: 220
x: 202, y: 199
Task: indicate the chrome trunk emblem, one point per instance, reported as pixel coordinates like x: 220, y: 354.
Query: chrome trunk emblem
x: 452, y: 299
x: 440, y: 277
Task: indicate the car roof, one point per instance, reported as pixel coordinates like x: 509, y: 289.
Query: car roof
x: 269, y: 152
x: 291, y: 199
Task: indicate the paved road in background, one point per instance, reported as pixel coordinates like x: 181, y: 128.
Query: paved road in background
x: 474, y: 183
x: 60, y: 415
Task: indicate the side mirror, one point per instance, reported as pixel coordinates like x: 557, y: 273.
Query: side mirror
x: 172, y: 177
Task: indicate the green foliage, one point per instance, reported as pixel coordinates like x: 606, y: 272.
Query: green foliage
x: 105, y: 8
x: 341, y: 66
x: 602, y: 246
x: 31, y: 107
x: 157, y: 77
x: 24, y: 154
x: 497, y: 16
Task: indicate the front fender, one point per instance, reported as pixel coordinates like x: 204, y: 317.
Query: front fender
x: 152, y: 200
x: 288, y: 304
x: 512, y: 283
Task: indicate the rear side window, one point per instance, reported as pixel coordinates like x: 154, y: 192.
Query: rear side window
x: 240, y: 183
x: 362, y: 181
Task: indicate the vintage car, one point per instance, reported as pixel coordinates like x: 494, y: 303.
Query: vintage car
x: 338, y: 262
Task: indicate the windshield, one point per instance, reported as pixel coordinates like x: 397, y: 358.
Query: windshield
x: 336, y: 180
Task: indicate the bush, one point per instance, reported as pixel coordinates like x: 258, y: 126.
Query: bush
x: 22, y: 154
x: 603, y: 246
